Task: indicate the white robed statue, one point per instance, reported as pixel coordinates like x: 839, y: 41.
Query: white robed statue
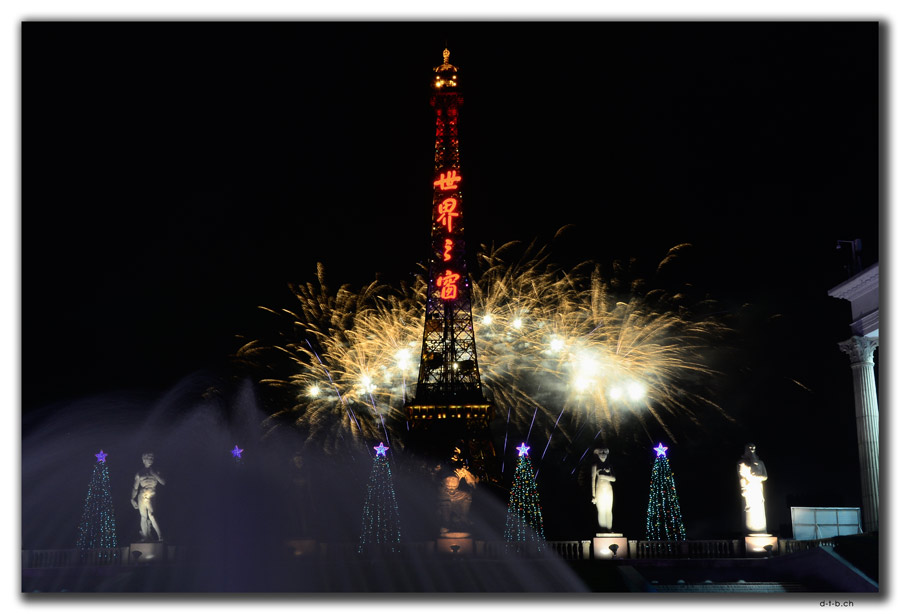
x: 752, y: 472
x: 602, y: 477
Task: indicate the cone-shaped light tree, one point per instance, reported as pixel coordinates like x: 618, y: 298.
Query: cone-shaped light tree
x: 381, y: 518
x: 97, y: 531
x: 524, y: 520
x: 664, y: 520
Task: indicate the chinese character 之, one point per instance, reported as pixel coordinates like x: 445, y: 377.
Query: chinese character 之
x: 448, y: 247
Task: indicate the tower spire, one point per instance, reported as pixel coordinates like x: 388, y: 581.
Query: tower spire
x: 449, y: 404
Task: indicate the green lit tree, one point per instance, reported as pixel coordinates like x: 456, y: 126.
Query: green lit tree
x: 524, y: 521
x: 97, y: 531
x: 664, y: 520
x: 381, y: 518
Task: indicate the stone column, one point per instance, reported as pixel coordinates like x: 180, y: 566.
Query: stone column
x: 861, y: 351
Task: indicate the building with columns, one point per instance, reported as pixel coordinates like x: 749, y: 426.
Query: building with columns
x: 862, y: 292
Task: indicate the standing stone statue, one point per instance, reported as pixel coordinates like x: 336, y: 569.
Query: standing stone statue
x: 457, y: 485
x: 602, y: 477
x: 752, y: 472
x: 142, y: 494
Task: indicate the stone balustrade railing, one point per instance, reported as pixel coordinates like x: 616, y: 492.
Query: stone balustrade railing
x: 691, y: 549
x: 33, y: 559
x: 572, y: 550
x: 789, y: 546
x: 71, y: 557
x: 74, y: 557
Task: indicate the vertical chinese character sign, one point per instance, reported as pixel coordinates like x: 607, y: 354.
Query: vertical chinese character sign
x: 449, y: 363
x: 449, y: 409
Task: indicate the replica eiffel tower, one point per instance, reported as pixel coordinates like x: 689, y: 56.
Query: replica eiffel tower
x: 449, y: 416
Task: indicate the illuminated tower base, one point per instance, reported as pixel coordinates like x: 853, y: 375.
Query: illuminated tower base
x: 436, y: 429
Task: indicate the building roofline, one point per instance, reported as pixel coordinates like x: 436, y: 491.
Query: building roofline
x: 858, y: 285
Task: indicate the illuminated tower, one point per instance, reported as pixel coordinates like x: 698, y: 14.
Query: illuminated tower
x: 449, y: 405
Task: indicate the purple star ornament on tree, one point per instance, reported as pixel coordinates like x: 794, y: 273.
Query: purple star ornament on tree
x: 523, y: 449
x: 660, y: 450
x: 101, y: 457
x: 236, y: 452
x: 381, y: 449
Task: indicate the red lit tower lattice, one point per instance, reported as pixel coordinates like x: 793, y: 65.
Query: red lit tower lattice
x: 449, y: 405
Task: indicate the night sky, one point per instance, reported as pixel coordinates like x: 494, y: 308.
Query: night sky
x: 177, y: 176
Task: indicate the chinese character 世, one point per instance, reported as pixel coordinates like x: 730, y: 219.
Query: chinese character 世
x: 448, y: 181
x: 447, y: 284
x: 447, y: 211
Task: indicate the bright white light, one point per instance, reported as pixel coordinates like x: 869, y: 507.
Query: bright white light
x: 517, y: 323
x: 488, y: 319
x: 585, y: 368
x: 367, y: 384
x: 313, y: 391
x: 557, y: 344
x: 588, y: 365
x: 403, y: 359
x: 615, y: 393
x: 636, y: 391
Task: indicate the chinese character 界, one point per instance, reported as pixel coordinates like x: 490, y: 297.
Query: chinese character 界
x: 448, y: 180
x: 448, y: 247
x: 447, y: 211
x: 447, y: 284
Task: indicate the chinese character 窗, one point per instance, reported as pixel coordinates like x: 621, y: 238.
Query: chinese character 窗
x: 447, y: 284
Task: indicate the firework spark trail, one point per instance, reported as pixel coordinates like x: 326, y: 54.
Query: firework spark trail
x: 505, y: 438
x: 555, y: 424
x: 528, y: 436
x: 583, y: 454
x: 337, y: 391
x: 380, y: 417
x: 574, y: 438
x: 549, y: 439
x: 570, y: 341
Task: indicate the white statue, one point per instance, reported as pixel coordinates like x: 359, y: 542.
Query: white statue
x: 752, y: 472
x: 145, y: 482
x: 602, y: 477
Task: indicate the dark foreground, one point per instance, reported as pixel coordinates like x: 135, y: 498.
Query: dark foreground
x: 819, y: 569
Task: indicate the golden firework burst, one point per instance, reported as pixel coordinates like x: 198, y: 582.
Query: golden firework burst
x: 550, y: 342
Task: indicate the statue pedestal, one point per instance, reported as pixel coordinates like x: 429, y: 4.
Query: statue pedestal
x: 755, y: 544
x: 455, y: 543
x: 147, y: 552
x: 302, y: 547
x: 603, y: 541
